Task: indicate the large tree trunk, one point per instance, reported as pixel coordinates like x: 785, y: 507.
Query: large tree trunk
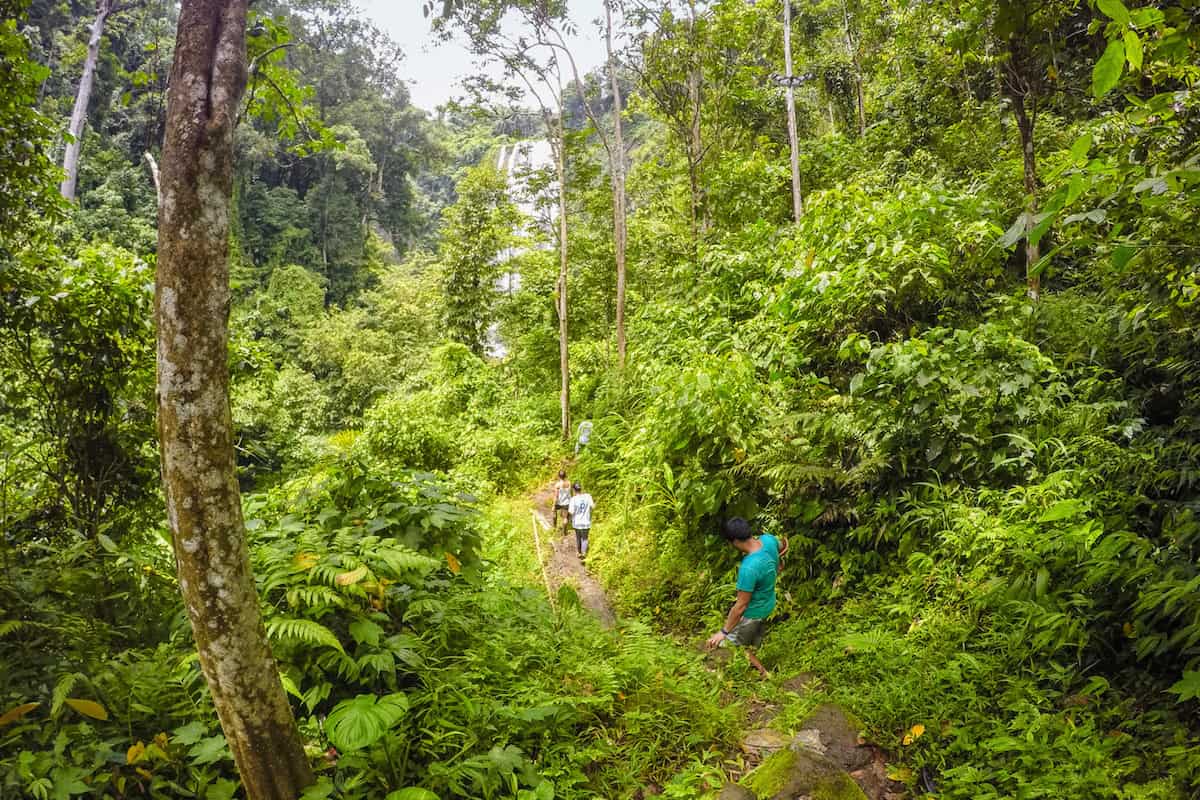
x: 618, y: 180
x: 793, y: 143
x: 195, y: 430
x: 564, y: 362
x: 82, y: 98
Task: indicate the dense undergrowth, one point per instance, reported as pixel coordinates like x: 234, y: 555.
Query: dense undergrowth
x: 991, y: 497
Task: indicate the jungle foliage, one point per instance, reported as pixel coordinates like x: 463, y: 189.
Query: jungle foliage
x: 991, y: 497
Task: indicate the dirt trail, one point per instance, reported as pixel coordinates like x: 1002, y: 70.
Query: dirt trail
x: 564, y: 566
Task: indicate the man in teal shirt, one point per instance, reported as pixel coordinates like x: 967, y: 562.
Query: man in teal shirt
x: 745, y: 623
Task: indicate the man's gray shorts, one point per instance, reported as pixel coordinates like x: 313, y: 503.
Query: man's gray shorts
x: 747, y: 633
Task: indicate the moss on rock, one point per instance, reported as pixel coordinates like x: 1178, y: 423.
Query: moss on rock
x: 788, y: 774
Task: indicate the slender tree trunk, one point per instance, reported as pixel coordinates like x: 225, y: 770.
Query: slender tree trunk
x: 1025, y: 126
x: 852, y: 52
x: 794, y: 145
x: 618, y: 181
x: 695, y: 138
x: 194, y: 426
x: 82, y: 98
x: 564, y: 362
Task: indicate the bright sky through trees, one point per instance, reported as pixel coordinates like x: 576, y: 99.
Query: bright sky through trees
x: 435, y: 69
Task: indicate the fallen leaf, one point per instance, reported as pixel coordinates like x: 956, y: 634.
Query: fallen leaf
x: 453, y: 563
x: 14, y: 714
x: 135, y: 753
x: 89, y: 708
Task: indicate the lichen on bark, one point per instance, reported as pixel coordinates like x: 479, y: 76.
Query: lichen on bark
x: 195, y: 426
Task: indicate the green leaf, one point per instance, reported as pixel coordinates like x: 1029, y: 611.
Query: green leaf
x: 1114, y: 10
x: 412, y: 793
x: 366, y: 632
x: 1133, y: 50
x: 190, y: 733
x: 68, y: 781
x: 1187, y: 687
x: 1107, y: 72
x: 1081, y: 147
x: 210, y: 750
x: 223, y: 789
x: 1147, y: 17
x: 358, y: 723
x: 107, y: 543
x: 1063, y: 509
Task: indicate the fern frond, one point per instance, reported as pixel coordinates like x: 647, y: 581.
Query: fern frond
x: 303, y: 630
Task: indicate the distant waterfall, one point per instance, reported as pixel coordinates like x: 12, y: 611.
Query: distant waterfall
x: 517, y: 161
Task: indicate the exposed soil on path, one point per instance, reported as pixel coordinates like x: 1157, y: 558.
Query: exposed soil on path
x: 564, y: 565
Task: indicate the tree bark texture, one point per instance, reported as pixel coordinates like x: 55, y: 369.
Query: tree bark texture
x: 797, y: 198
x: 617, y: 159
x: 83, y: 97
x: 195, y: 431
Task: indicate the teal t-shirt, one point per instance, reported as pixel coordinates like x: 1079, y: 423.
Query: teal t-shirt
x: 757, y: 576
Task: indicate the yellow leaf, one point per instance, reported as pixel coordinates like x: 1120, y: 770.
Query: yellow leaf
x: 455, y: 566
x: 907, y: 739
x: 14, y: 714
x: 1127, y: 629
x: 900, y: 774
x: 145, y: 773
x: 305, y: 560
x: 161, y: 740
x: 917, y: 730
x: 89, y: 708
x: 353, y: 576
x: 135, y: 753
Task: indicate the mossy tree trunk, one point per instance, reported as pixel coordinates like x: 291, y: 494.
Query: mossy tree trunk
x: 195, y: 428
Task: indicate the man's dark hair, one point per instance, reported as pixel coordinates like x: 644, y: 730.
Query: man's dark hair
x: 576, y: 487
x: 736, y: 529
x: 562, y: 473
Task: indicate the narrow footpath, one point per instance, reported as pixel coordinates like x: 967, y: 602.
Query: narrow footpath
x: 563, y: 565
x: 826, y: 758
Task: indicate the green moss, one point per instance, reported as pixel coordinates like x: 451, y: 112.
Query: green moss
x: 788, y: 772
x: 771, y: 775
x: 839, y: 786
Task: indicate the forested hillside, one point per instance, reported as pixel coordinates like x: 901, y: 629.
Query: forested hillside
x: 939, y: 329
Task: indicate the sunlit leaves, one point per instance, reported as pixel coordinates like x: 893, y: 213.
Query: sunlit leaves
x: 358, y: 723
x: 1107, y: 72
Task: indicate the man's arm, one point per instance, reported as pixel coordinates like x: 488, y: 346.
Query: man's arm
x: 783, y: 546
x: 732, y: 619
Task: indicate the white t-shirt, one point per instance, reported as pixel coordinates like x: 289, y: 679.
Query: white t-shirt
x: 581, y: 510
x: 585, y: 431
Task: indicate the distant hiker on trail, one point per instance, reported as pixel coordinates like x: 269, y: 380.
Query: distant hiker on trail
x: 581, y: 518
x: 746, y: 621
x: 562, y: 499
x: 585, y: 434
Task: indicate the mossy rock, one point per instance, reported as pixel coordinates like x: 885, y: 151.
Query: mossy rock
x: 789, y: 774
x: 839, y: 735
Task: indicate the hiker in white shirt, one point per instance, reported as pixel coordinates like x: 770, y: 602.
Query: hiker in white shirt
x: 580, y: 510
x: 585, y: 435
x: 562, y: 498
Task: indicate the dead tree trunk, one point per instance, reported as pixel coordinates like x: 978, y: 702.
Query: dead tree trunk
x: 194, y: 426
x: 82, y: 98
x: 617, y: 159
